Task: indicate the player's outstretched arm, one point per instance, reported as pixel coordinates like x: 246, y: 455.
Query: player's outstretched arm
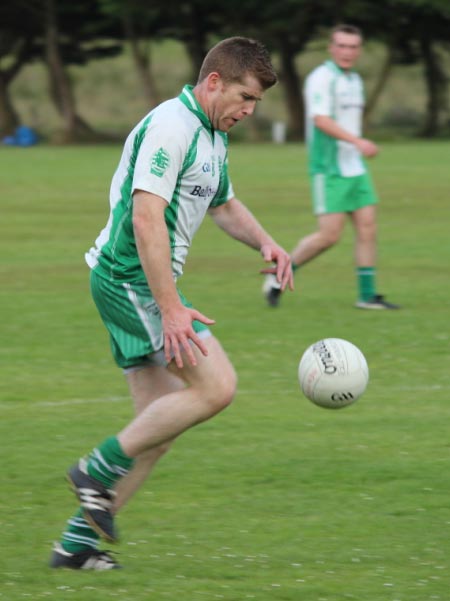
x: 239, y: 223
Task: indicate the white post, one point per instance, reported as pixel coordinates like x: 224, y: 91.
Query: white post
x: 279, y: 132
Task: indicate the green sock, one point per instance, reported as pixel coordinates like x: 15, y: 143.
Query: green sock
x: 366, y: 282
x: 78, y: 536
x: 294, y: 267
x: 107, y: 463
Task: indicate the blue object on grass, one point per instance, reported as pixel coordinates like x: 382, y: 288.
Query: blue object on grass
x: 23, y: 136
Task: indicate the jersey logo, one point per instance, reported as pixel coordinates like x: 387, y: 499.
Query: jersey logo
x: 317, y: 98
x: 206, y: 192
x: 160, y: 162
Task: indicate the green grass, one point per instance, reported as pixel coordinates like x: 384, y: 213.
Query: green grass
x: 275, y: 499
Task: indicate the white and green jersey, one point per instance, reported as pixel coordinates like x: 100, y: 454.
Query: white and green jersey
x: 338, y: 94
x: 173, y: 153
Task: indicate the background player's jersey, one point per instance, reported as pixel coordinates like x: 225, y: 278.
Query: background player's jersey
x: 338, y: 94
x: 173, y: 153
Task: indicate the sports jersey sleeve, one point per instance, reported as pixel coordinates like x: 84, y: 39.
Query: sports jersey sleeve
x: 318, y: 93
x: 160, y: 158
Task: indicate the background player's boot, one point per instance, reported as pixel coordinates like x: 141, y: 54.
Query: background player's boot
x: 271, y: 290
x: 377, y: 302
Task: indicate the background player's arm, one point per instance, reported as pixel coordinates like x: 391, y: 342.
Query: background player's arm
x: 329, y: 126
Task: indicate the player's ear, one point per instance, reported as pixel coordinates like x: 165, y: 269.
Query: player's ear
x: 213, y: 81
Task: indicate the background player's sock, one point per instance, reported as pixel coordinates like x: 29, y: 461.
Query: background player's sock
x: 366, y: 282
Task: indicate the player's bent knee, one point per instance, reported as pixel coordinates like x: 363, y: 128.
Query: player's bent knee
x: 213, y: 382
x: 331, y: 238
x: 222, y: 390
x: 228, y: 392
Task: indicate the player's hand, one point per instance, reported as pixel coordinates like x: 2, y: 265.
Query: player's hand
x: 272, y: 253
x: 178, y: 332
x: 366, y: 147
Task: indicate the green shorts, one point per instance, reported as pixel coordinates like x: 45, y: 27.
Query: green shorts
x: 336, y: 194
x: 133, y: 321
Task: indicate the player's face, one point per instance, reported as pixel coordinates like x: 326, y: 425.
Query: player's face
x: 234, y: 101
x: 345, y: 49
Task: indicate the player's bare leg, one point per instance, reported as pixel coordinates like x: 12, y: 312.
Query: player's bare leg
x: 364, y: 223
x: 146, y: 385
x: 328, y: 234
x: 210, y: 388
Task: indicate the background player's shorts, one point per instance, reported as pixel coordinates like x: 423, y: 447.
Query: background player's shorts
x: 133, y: 321
x: 336, y: 194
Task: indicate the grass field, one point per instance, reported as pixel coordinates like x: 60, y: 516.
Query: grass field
x: 275, y: 499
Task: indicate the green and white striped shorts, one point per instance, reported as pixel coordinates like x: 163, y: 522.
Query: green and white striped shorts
x: 133, y: 320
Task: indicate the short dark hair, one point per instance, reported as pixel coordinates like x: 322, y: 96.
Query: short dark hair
x: 345, y: 28
x: 236, y: 57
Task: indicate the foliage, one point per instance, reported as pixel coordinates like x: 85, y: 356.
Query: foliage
x: 413, y: 32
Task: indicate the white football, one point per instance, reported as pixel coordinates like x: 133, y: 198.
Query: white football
x: 333, y: 373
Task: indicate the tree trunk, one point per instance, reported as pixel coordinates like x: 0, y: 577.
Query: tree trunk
x: 74, y: 127
x: 196, y: 50
x: 196, y: 41
x: 141, y: 56
x: 9, y: 119
x: 380, y: 84
x: 436, y: 83
x: 20, y: 53
x: 292, y: 85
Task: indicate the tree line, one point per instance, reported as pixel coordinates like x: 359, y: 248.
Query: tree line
x: 61, y: 33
